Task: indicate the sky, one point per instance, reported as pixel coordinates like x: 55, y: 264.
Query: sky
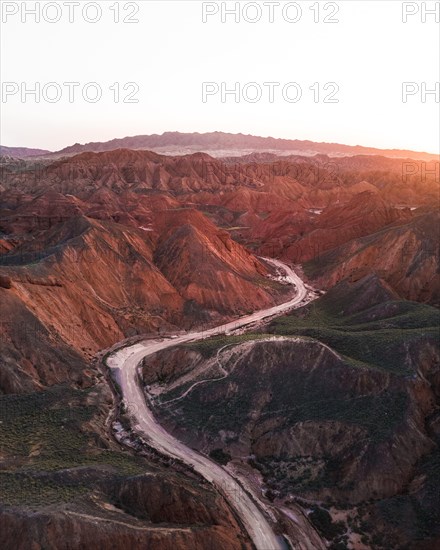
x: 339, y: 68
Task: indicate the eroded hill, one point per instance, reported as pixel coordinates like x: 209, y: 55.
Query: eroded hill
x: 342, y: 412
x: 338, y: 413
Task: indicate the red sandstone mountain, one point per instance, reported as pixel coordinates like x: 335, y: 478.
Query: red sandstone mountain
x: 114, y: 278
x: 364, y: 214
x: 136, y: 241
x: 101, y: 246
x: 192, y: 253
x: 317, y: 178
x: 405, y: 254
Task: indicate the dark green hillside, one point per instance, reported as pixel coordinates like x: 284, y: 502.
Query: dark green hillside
x: 380, y: 332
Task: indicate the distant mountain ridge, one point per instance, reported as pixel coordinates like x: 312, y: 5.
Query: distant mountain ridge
x: 221, y: 144
x: 21, y: 152
x: 226, y: 142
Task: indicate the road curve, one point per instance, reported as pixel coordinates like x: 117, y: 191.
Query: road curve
x: 124, y: 362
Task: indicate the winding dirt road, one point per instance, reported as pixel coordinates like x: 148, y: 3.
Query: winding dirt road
x: 124, y: 363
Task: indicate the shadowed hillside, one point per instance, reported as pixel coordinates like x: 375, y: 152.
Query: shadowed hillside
x: 341, y: 411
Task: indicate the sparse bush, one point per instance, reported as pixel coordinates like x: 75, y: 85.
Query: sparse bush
x: 322, y: 520
x: 220, y: 456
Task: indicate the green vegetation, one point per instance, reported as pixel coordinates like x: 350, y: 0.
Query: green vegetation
x: 379, y: 414
x: 378, y: 337
x: 220, y: 456
x: 297, y: 474
x: 382, y: 343
x: 354, y: 411
x: 299, y: 398
x: 210, y: 346
x: 322, y: 520
x: 35, y: 422
x: 218, y: 415
x: 45, y: 438
x: 27, y: 490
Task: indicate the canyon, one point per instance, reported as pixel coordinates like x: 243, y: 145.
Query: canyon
x: 325, y: 407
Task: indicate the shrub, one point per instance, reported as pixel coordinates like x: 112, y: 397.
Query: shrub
x: 220, y: 456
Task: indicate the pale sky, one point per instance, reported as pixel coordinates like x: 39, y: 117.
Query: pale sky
x: 171, y: 52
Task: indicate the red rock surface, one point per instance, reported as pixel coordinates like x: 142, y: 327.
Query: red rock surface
x: 132, y: 241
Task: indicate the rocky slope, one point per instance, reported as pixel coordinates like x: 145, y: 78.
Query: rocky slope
x: 341, y: 411
x: 115, y: 281
x: 97, y: 247
x: 192, y: 253
x: 406, y: 255
x: 167, y: 228
x: 67, y: 484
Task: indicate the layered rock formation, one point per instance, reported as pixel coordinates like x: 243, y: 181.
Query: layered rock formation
x: 406, y: 255
x: 97, y: 247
